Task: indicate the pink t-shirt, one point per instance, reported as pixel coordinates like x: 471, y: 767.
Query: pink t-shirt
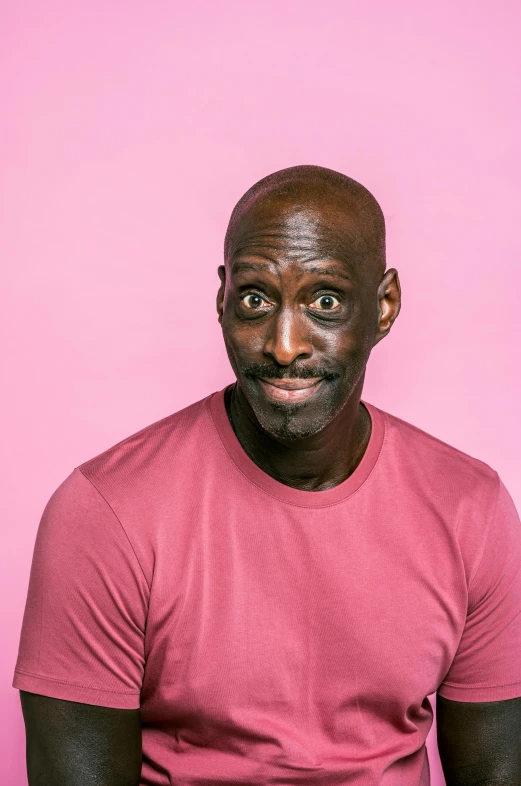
x: 272, y: 635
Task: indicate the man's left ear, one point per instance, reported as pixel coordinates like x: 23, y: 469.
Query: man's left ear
x: 389, y: 303
x: 220, y: 294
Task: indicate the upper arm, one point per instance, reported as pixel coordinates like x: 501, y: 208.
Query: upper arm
x: 77, y: 744
x: 487, y: 664
x: 83, y: 631
x: 478, y: 704
x: 479, y: 742
x: 81, y: 658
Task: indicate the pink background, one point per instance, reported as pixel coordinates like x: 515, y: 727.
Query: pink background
x: 129, y: 130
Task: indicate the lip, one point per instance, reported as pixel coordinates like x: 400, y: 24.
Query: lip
x: 291, y: 390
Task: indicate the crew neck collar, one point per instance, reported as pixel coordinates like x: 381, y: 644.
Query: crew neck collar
x: 288, y: 494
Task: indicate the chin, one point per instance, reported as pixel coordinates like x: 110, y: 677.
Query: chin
x: 291, y: 422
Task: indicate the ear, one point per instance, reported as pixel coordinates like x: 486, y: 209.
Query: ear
x: 389, y: 303
x: 221, y: 270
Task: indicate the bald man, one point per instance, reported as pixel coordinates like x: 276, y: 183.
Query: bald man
x: 265, y: 587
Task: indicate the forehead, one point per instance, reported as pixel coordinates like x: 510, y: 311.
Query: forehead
x: 282, y: 230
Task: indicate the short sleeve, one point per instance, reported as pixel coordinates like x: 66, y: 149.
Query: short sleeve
x: 82, y: 635
x: 487, y: 664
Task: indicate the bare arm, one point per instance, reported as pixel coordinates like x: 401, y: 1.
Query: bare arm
x: 479, y: 742
x: 75, y: 744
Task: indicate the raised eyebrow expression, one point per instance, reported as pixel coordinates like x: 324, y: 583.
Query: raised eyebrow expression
x: 329, y: 270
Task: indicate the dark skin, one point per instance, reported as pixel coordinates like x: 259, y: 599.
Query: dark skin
x: 73, y: 744
x: 304, y: 298
x: 290, y: 307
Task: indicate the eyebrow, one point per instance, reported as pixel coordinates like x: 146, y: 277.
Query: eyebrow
x: 238, y: 267
x: 331, y: 271
x: 334, y: 272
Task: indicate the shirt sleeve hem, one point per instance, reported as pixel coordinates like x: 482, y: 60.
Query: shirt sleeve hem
x: 480, y: 693
x: 80, y: 693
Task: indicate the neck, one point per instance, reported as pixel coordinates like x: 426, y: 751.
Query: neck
x: 312, y: 464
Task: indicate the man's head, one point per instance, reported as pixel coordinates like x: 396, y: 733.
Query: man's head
x: 304, y: 296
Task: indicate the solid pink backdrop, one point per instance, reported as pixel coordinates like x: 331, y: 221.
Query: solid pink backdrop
x: 129, y: 131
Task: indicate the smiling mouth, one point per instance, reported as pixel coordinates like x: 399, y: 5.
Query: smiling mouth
x: 290, y: 389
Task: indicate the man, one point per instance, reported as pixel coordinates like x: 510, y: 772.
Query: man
x: 265, y: 587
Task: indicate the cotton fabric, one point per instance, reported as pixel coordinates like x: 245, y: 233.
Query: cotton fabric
x: 271, y: 635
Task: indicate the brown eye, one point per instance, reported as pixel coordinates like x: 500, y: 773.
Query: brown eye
x: 325, y: 303
x: 253, y: 301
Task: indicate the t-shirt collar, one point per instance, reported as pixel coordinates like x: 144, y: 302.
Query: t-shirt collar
x: 311, y: 499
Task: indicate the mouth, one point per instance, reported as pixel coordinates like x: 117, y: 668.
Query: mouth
x: 290, y: 389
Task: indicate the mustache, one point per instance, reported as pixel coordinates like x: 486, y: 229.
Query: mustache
x: 270, y: 371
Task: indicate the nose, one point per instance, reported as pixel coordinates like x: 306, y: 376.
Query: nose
x: 287, y: 338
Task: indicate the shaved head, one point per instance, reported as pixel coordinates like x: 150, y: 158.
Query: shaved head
x: 304, y: 295
x: 340, y: 214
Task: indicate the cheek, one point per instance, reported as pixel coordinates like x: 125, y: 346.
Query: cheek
x: 352, y: 339
x: 244, y: 338
x: 242, y: 341
x: 338, y: 342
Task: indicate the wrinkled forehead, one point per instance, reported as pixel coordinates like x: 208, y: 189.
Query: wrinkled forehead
x: 288, y: 229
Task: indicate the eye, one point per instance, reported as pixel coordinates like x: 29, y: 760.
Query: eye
x: 325, y: 303
x: 253, y: 301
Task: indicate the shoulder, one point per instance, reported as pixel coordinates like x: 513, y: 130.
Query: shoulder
x: 436, y: 464
x: 141, y: 458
